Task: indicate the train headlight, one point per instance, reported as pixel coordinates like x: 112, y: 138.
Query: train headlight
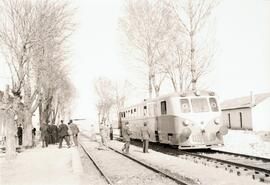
x: 186, y: 123
x: 217, y: 121
x: 197, y: 93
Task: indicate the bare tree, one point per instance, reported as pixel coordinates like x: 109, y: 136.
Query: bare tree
x: 10, y: 107
x: 192, y: 16
x: 147, y: 25
x: 33, y: 36
x: 104, y: 90
x: 176, y: 65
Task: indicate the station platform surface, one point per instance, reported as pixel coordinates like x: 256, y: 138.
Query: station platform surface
x: 43, y: 166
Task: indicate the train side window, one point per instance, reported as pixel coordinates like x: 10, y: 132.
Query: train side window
x: 185, y: 108
x: 213, y: 104
x: 163, y: 107
x: 144, y: 110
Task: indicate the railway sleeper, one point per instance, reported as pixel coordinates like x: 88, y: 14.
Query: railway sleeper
x: 261, y: 177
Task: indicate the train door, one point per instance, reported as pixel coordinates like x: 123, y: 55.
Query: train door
x: 156, y: 122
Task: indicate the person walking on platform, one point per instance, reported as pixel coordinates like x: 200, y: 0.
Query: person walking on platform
x: 145, y: 134
x: 111, y: 132
x: 44, y: 134
x: 20, y: 134
x: 63, y: 134
x: 126, y: 136
x: 74, y: 132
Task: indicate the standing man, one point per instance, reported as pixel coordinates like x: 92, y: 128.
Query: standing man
x: 50, y: 136
x: 74, y: 132
x: 145, y: 134
x: 111, y: 132
x: 44, y: 134
x: 20, y: 134
x: 33, y: 137
x: 63, y: 134
x: 54, y: 133
x: 126, y: 135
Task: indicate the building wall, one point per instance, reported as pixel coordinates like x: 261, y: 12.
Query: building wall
x: 235, y: 121
x: 261, y: 116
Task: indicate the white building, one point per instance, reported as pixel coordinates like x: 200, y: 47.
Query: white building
x: 250, y: 112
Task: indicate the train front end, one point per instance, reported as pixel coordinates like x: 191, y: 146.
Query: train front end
x: 199, y: 121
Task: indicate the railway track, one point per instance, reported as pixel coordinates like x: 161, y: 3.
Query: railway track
x: 257, y: 168
x: 164, y: 177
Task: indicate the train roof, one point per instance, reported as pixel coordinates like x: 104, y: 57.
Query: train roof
x: 176, y: 94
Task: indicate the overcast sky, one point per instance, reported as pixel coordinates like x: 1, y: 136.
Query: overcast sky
x: 242, y: 62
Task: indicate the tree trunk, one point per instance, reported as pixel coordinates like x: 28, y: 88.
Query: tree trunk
x: 10, y: 138
x: 193, y: 64
x: 27, y: 135
x: 150, y: 85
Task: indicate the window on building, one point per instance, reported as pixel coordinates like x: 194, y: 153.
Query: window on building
x: 241, y: 119
x: 134, y: 110
x: 229, y: 119
x: 131, y: 111
x: 163, y: 107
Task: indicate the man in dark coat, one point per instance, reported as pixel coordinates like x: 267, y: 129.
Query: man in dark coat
x: 126, y: 136
x: 111, y: 132
x: 50, y: 135
x: 20, y: 134
x: 54, y: 133
x: 44, y: 134
x: 145, y: 134
x: 63, y: 134
x: 33, y: 137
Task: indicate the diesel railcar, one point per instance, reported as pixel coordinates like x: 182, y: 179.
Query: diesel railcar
x: 188, y: 120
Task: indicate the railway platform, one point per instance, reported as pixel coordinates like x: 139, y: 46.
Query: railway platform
x: 43, y: 166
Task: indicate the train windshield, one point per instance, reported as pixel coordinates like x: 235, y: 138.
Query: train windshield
x: 200, y: 105
x: 213, y: 104
x: 185, y: 108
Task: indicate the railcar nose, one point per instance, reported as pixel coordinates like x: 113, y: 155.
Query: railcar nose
x: 223, y: 130
x: 184, y: 135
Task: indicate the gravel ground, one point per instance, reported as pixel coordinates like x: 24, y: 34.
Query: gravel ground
x: 122, y: 170
x: 91, y: 174
x: 205, y: 174
x: 247, y: 142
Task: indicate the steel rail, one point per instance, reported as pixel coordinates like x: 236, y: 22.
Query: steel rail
x: 170, y: 176
x: 241, y: 155
x: 97, y: 166
x: 250, y: 167
x: 156, y: 170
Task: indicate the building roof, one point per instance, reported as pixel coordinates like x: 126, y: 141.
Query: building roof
x: 244, y: 102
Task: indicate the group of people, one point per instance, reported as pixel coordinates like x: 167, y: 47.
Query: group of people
x: 145, y: 136
x: 51, y: 134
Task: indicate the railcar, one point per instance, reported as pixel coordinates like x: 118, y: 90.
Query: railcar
x: 188, y: 120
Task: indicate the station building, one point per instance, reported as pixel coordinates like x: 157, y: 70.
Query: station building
x: 247, y: 113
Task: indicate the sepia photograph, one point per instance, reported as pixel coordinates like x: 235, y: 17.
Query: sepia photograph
x: 134, y: 92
